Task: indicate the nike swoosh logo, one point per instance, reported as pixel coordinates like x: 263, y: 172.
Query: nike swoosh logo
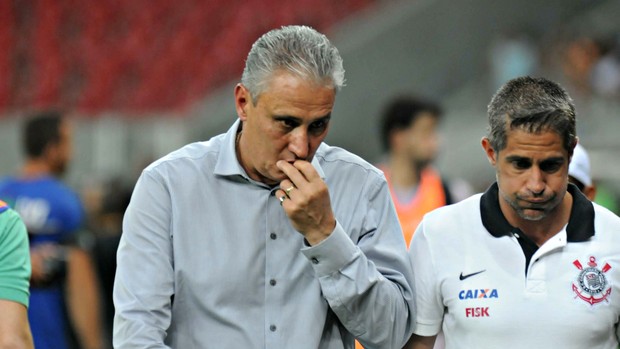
x: 463, y: 277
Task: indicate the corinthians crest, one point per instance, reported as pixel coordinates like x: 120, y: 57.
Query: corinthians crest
x: 592, y: 286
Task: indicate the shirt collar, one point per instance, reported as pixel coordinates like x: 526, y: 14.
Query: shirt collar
x: 580, y: 224
x: 227, y: 163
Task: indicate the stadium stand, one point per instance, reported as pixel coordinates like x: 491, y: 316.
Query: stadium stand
x: 136, y: 56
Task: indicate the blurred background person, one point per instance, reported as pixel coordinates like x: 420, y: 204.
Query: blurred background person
x: 14, y: 281
x: 579, y: 172
x: 409, y: 132
x: 64, y: 299
x: 512, y: 54
x: 105, y: 221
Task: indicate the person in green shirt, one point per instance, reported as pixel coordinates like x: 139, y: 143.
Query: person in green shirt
x: 14, y: 281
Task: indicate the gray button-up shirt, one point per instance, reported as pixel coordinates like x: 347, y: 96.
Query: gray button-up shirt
x: 209, y: 259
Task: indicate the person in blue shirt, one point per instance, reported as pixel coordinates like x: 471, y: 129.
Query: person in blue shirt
x: 64, y: 301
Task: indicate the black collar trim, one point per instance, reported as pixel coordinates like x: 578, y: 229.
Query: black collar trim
x: 580, y: 224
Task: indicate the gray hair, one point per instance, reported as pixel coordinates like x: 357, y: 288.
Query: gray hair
x: 534, y: 105
x: 300, y: 50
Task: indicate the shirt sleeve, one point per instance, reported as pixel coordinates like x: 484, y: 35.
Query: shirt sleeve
x: 430, y: 309
x: 144, y: 282
x: 74, y: 215
x: 14, y: 258
x: 367, y: 282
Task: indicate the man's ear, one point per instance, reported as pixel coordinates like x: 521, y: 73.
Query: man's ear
x: 396, y: 139
x: 590, y: 191
x: 488, y: 149
x: 243, y: 99
x: 51, y: 151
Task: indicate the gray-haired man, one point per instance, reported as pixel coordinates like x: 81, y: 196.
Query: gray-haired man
x: 265, y: 237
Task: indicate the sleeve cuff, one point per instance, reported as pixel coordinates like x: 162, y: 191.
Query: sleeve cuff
x: 427, y: 329
x: 333, y: 253
x: 15, y: 295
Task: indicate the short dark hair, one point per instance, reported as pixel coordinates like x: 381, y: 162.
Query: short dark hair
x: 533, y: 105
x: 401, y: 112
x: 41, y: 130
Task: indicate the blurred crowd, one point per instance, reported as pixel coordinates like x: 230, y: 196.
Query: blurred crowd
x: 591, y: 65
x: 587, y: 65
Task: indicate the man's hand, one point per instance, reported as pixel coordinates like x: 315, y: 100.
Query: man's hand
x: 306, y: 202
x: 46, y: 260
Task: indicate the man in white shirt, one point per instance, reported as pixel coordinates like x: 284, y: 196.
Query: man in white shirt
x: 531, y: 263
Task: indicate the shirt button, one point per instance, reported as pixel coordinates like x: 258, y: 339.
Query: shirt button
x: 273, y: 328
x: 272, y: 282
x: 314, y: 260
x: 273, y: 236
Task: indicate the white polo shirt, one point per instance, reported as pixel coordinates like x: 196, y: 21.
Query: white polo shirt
x: 471, y: 278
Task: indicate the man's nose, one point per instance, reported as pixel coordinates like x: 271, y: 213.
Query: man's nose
x: 299, y: 143
x: 536, y: 182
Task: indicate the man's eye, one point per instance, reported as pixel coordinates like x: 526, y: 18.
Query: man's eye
x: 288, y: 123
x: 550, y: 167
x: 521, y: 164
x: 318, y: 127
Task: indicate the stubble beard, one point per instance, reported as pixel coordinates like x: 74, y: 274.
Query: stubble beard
x: 523, y: 212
